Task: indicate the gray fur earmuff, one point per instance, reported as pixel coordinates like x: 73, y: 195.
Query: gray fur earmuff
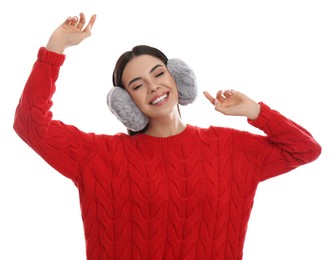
x: 123, y: 107
x: 185, y: 81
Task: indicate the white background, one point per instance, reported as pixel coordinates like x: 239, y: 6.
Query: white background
x: 279, y: 52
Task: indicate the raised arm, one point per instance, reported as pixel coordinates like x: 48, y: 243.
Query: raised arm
x: 286, y: 145
x: 63, y: 146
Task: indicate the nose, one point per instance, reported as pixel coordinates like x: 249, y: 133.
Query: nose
x: 152, y: 88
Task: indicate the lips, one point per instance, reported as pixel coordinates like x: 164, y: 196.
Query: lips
x: 159, y: 98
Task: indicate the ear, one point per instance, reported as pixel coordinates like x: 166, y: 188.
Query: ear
x: 185, y: 80
x: 123, y: 107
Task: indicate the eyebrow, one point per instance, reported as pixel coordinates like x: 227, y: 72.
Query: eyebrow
x: 138, y: 78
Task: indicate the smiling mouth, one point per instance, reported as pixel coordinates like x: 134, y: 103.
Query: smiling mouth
x: 159, y: 99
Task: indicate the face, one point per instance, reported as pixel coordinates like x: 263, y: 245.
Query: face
x: 153, y: 89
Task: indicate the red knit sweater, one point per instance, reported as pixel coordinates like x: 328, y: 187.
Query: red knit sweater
x: 187, y: 196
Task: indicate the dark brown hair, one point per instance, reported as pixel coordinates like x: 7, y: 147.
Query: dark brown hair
x: 125, y: 58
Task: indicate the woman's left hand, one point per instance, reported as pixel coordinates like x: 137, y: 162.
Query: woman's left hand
x: 234, y: 103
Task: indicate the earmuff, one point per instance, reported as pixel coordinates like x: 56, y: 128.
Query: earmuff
x: 123, y: 107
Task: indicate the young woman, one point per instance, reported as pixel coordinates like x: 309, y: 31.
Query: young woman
x: 166, y: 190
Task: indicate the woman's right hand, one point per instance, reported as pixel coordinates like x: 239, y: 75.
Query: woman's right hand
x: 70, y: 33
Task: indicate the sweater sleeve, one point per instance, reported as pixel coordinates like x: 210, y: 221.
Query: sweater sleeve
x: 286, y: 146
x: 64, y: 147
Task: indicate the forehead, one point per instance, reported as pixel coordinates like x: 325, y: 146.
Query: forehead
x: 139, y: 66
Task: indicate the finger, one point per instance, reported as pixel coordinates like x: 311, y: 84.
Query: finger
x: 74, y: 21
x: 227, y: 93
x: 232, y: 99
x: 91, y: 23
x: 68, y: 20
x: 71, y: 20
x: 81, y: 21
x: 219, y: 96
x: 209, y: 97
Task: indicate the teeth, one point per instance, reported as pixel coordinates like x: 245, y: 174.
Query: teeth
x: 159, y: 99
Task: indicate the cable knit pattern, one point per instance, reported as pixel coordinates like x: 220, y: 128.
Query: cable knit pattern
x: 187, y: 196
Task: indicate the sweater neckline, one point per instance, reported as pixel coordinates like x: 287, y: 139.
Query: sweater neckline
x: 170, y: 140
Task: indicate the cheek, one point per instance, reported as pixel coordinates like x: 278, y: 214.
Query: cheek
x: 174, y: 84
x: 171, y: 82
x: 137, y: 98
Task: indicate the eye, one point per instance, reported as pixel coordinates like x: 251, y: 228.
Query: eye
x: 159, y: 74
x: 137, y: 87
